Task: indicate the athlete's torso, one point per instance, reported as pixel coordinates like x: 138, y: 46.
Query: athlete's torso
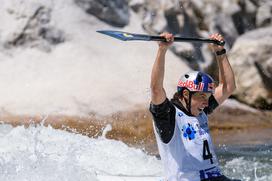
x: 189, y: 155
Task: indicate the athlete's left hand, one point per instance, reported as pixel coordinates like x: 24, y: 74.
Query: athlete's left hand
x: 215, y: 47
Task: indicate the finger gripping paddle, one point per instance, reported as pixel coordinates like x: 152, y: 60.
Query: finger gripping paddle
x: 124, y: 36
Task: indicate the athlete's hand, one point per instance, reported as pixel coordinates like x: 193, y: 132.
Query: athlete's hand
x: 215, y: 47
x: 169, y: 40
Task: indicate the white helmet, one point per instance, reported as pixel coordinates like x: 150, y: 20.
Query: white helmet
x: 196, y: 81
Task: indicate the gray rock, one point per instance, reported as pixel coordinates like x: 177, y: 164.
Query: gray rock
x: 251, y: 61
x: 114, y: 12
x: 37, y: 32
x: 186, y: 51
x: 265, y: 72
x: 183, y: 49
x: 230, y: 8
x: 245, y: 20
x: 249, y: 5
x: 153, y: 17
x: 223, y: 23
x: 154, y: 21
x: 264, y: 16
x: 136, y: 5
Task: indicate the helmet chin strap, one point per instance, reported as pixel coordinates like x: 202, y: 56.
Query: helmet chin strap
x: 188, y: 102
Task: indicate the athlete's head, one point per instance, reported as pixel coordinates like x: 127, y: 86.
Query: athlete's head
x: 195, y: 89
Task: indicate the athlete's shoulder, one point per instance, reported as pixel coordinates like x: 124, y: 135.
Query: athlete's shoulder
x: 165, y: 107
x: 164, y: 119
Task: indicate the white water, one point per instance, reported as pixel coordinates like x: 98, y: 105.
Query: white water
x: 41, y: 153
x: 249, y: 170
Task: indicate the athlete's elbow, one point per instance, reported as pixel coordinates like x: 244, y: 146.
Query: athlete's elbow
x: 229, y: 89
x: 155, y: 90
x: 232, y: 87
x: 155, y: 87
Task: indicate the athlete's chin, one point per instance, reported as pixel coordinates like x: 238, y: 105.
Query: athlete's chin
x: 196, y: 113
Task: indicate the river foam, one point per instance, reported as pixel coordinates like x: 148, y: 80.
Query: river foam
x: 47, y: 154
x: 43, y: 153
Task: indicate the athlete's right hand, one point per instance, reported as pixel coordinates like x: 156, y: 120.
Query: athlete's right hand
x: 169, y: 40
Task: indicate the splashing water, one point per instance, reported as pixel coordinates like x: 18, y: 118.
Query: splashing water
x: 248, y: 170
x: 43, y: 153
x: 251, y: 163
x: 46, y: 154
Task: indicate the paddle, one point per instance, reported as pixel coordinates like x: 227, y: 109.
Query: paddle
x: 124, y: 36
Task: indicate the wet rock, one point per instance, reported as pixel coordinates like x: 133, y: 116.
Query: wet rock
x: 114, y: 12
x: 251, y: 61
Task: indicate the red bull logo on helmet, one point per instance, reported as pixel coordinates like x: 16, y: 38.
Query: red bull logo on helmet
x: 191, y: 85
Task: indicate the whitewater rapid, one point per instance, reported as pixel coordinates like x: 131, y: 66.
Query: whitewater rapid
x: 40, y: 153
x: 43, y: 153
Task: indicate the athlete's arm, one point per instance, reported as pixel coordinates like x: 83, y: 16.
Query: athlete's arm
x: 226, y: 76
x: 158, y: 94
x: 160, y: 106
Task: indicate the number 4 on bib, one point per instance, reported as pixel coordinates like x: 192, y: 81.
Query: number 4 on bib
x: 206, y: 151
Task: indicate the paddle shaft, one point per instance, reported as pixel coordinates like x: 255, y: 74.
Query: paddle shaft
x: 182, y: 39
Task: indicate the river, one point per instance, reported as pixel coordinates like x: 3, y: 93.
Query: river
x: 40, y: 153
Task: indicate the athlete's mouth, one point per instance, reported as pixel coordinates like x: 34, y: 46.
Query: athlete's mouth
x: 200, y: 109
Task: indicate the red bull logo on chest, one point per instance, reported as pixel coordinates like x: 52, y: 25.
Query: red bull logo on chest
x: 191, y: 85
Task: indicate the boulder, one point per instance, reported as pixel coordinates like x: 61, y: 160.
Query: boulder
x: 154, y: 22
x: 245, y: 19
x: 251, y: 61
x: 264, y: 15
x: 114, y: 12
x: 31, y: 27
x: 136, y: 5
